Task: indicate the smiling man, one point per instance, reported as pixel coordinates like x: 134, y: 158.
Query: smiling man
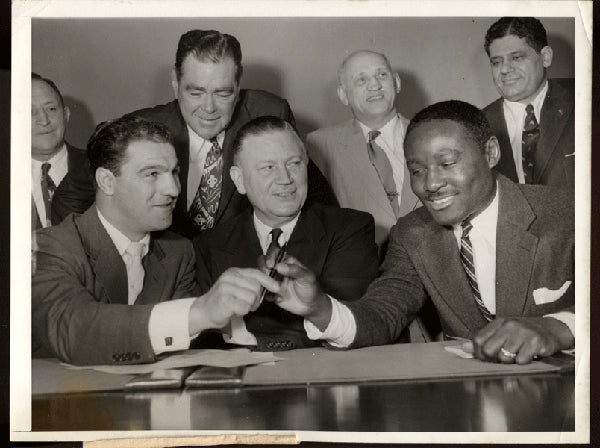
x: 336, y: 245
x: 51, y: 156
x: 362, y: 158
x: 495, y: 257
x: 209, y: 109
x: 534, y: 118
x: 110, y: 285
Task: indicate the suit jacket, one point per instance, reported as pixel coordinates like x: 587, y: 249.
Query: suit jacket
x: 337, y: 245
x: 79, y: 291
x: 251, y: 104
x: 534, y: 250
x: 555, y: 155
x: 340, y: 152
x: 77, y: 161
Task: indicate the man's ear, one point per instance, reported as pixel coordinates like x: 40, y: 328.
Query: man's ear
x: 397, y: 82
x: 546, y: 53
x: 174, y: 83
x: 106, y: 181
x: 341, y: 91
x: 238, y: 178
x: 66, y: 113
x: 492, y: 152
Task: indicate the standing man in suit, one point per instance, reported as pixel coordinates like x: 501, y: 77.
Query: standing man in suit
x: 209, y: 109
x: 51, y: 156
x: 110, y: 285
x: 496, y: 258
x: 336, y: 245
x: 535, y: 117
x: 363, y: 158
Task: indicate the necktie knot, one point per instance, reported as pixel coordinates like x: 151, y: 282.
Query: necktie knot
x: 373, y: 135
x: 46, y: 168
x: 530, y: 120
x: 135, y: 270
x: 275, y: 234
x: 467, y: 226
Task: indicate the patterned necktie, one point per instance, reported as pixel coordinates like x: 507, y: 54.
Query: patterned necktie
x: 384, y: 169
x: 531, y: 135
x: 135, y: 270
x: 466, y: 256
x: 48, y: 188
x: 206, y: 202
x: 274, y: 246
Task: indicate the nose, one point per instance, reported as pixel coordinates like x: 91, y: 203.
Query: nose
x: 171, y: 186
x: 208, y: 103
x: 434, y: 180
x: 41, y: 117
x: 374, y: 83
x: 283, y: 175
x: 506, y: 66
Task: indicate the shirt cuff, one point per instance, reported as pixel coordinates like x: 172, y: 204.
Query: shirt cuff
x: 239, y: 333
x: 567, y: 318
x: 169, y: 325
x: 341, y: 329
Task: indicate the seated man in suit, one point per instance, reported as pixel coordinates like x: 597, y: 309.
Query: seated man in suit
x: 496, y: 258
x: 535, y: 117
x: 106, y: 282
x: 337, y: 245
x: 209, y: 109
x: 362, y: 158
x: 51, y: 156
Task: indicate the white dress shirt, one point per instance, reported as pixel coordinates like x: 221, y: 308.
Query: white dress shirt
x: 239, y: 333
x: 391, y: 140
x: 199, y: 148
x: 168, y: 326
x: 514, y: 115
x: 59, y: 165
x: 342, y: 326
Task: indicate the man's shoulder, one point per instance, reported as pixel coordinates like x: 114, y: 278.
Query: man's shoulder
x: 335, y: 130
x: 171, y: 241
x: 224, y: 231
x: 338, y: 218
x: 161, y: 113
x: 265, y: 101
x: 548, y: 201
x: 64, y: 238
x: 493, y: 108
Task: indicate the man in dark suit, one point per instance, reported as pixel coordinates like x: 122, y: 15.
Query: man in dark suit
x: 105, y: 283
x: 208, y: 111
x: 534, y: 119
x: 336, y: 245
x: 495, y: 257
x: 51, y: 156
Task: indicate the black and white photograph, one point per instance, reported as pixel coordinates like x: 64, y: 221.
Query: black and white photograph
x: 331, y: 221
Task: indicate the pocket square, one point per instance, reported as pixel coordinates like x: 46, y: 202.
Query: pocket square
x: 545, y: 295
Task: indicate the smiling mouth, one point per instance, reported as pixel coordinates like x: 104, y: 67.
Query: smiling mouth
x: 441, y: 203
x: 286, y: 194
x: 375, y: 97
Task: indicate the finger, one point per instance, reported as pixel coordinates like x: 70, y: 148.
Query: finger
x: 482, y: 337
x: 255, y: 277
x: 511, y: 348
x: 235, y: 306
x: 292, y: 268
x: 467, y: 347
x: 534, y: 346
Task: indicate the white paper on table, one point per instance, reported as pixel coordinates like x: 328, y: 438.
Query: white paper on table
x: 190, y: 358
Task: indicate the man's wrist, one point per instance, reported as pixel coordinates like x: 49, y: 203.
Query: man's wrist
x: 320, y: 314
x: 562, y: 333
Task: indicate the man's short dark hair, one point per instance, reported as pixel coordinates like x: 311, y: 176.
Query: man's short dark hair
x: 36, y: 77
x: 465, y: 114
x: 209, y: 44
x: 107, y: 146
x: 259, y: 126
x: 529, y: 28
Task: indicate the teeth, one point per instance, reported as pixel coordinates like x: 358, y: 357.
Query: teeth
x: 440, y: 203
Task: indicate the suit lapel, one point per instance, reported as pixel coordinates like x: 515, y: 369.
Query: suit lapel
x: 182, y: 149
x: 240, y: 247
x: 106, y: 262
x: 554, y: 115
x: 440, y: 256
x: 355, y: 148
x: 155, y: 274
x: 515, y: 249
x: 305, y: 239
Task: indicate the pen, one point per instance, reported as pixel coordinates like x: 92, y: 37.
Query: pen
x: 273, y: 272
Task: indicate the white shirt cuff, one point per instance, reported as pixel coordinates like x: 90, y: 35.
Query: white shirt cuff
x: 567, y: 318
x: 169, y: 325
x: 341, y: 329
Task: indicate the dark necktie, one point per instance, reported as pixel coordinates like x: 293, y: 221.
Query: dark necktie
x: 48, y: 188
x: 466, y: 256
x: 531, y: 135
x: 274, y: 246
x: 206, y: 201
x: 384, y: 169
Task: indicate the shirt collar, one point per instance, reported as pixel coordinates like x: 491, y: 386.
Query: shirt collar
x: 485, y: 222
x: 58, y: 158
x: 119, y: 239
x: 196, y: 142
x: 386, y: 129
x: 537, y: 102
x: 263, y: 231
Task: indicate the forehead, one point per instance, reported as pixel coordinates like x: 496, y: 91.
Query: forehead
x: 363, y: 62
x: 508, y: 44
x: 438, y: 136
x: 202, y: 71
x: 270, y: 145
x: 42, y: 92
x: 140, y: 153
